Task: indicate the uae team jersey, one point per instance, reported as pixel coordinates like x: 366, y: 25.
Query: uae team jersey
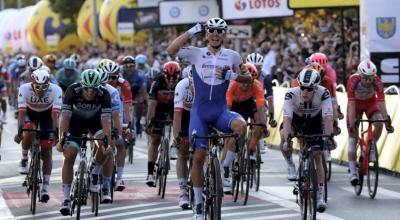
x: 27, y: 98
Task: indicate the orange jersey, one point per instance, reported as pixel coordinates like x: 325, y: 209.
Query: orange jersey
x: 326, y: 82
x: 235, y: 93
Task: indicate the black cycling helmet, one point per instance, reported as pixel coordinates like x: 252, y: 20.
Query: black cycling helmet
x: 128, y: 60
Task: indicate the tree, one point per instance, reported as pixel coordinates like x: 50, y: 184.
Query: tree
x: 67, y: 10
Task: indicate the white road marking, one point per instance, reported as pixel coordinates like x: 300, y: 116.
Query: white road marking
x: 5, y: 212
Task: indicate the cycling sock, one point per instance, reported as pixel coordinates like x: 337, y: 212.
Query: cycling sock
x: 198, y: 195
x: 150, y: 168
x: 352, y: 166
x: 182, y: 185
x: 106, y: 182
x: 67, y: 191
x: 97, y: 168
x: 120, y: 171
x: 230, y: 156
x: 46, y: 179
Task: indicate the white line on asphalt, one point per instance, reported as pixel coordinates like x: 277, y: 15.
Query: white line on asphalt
x: 275, y: 217
x: 255, y: 212
x: 138, y: 212
x: 381, y: 193
x: 5, y: 212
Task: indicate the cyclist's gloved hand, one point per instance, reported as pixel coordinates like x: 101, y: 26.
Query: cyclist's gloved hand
x: 340, y: 114
x: 272, y: 122
x: 388, y: 125
x: 225, y: 74
x: 195, y: 30
x: 18, y: 138
x: 148, y: 128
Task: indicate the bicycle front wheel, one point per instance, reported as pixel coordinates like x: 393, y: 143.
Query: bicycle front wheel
x: 35, y: 181
x: 313, y: 187
x: 301, y: 184
x: 257, y: 168
x: 373, y: 171
x: 130, y: 152
x: 165, y: 167
x: 81, y: 190
x: 249, y: 177
x: 215, y: 190
x: 358, y: 187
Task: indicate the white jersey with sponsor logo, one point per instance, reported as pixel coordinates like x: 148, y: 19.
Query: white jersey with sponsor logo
x: 27, y: 98
x: 183, y: 98
x: 294, y: 103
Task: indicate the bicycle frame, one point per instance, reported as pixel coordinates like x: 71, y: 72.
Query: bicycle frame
x: 365, y: 143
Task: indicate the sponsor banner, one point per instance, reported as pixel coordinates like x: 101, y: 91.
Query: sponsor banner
x: 239, y: 31
x: 388, y: 65
x: 187, y: 12
x: 322, y: 3
x: 142, y: 18
x: 241, y: 9
x: 148, y: 3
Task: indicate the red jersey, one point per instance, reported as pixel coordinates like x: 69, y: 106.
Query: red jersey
x: 235, y: 93
x: 357, y: 92
x: 124, y: 89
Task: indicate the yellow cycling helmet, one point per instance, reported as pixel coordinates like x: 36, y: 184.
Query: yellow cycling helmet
x: 103, y: 62
x: 50, y: 58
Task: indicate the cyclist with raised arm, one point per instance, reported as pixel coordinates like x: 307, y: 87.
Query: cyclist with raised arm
x: 307, y: 111
x: 365, y: 95
x: 160, y: 107
x: 213, y: 67
x: 122, y: 86
x: 39, y: 105
x: 86, y: 106
x: 184, y: 94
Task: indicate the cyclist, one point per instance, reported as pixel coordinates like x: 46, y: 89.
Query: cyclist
x: 34, y: 63
x: 67, y: 75
x: 184, y: 94
x: 322, y: 59
x: 39, y: 105
x: 308, y: 110
x: 161, y: 107
x: 86, y: 106
x: 4, y: 87
x: 141, y: 64
x: 75, y: 57
x: 258, y: 60
x: 213, y: 67
x: 50, y: 61
x: 247, y: 99
x: 112, y: 70
x: 20, y: 68
x: 365, y: 95
x: 138, y: 84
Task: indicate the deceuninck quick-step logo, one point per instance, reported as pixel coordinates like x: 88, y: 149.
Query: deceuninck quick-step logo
x: 386, y: 26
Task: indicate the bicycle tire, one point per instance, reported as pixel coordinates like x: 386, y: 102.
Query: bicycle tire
x: 358, y: 187
x: 257, y: 173
x: 160, y: 161
x: 81, y: 186
x: 35, y: 181
x: 216, y: 189
x: 328, y: 167
x: 190, y: 186
x: 238, y: 176
x: 249, y: 177
x: 325, y: 166
x: 113, y: 181
x: 130, y: 152
x: 301, y: 183
x: 373, y: 173
x: 313, y: 188
x: 165, y: 167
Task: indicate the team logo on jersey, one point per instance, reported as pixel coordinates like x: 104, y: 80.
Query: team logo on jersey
x: 386, y: 26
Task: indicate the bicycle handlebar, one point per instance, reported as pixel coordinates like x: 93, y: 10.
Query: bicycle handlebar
x: 256, y: 124
x: 161, y: 121
x: 310, y: 136
x: 84, y: 138
x: 37, y: 130
x: 373, y: 121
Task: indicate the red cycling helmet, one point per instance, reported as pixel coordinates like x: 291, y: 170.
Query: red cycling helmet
x: 171, y: 68
x: 319, y: 58
x: 252, y: 69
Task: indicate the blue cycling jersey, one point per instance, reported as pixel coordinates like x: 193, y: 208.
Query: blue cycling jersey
x: 137, y: 80
x: 116, y: 104
x: 209, y: 106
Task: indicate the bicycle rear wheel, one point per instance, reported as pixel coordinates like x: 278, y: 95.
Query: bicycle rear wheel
x: 165, y: 167
x: 35, y: 181
x: 313, y: 187
x: 373, y: 172
x: 81, y: 190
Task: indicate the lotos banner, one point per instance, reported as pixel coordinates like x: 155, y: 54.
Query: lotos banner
x: 241, y: 9
x: 142, y: 18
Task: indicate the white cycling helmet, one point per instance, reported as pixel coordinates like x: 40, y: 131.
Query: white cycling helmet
x: 110, y: 67
x: 309, y: 78
x: 367, y: 68
x: 44, y: 67
x: 35, y: 62
x: 255, y: 58
x: 40, y: 76
x: 217, y: 23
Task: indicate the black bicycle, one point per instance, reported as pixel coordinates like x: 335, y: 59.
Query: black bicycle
x: 80, y: 187
x: 163, y: 163
x: 212, y: 193
x: 34, y: 176
x: 306, y: 187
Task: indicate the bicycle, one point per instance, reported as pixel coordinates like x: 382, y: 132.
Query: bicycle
x: 212, y: 192
x: 248, y: 171
x: 129, y: 142
x: 34, y: 176
x: 368, y: 166
x: 163, y: 163
x: 306, y: 187
x: 79, y: 190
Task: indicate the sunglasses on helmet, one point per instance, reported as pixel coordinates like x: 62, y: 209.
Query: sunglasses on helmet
x: 40, y: 86
x: 309, y: 89
x: 212, y: 30
x: 90, y: 89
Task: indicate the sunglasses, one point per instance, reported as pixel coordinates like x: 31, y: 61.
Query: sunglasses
x: 173, y: 77
x: 113, y: 77
x: 129, y: 65
x: 89, y: 89
x: 368, y: 78
x: 212, y: 30
x: 40, y: 86
x: 309, y: 89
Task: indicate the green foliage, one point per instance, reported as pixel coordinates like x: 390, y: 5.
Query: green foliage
x: 67, y: 9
